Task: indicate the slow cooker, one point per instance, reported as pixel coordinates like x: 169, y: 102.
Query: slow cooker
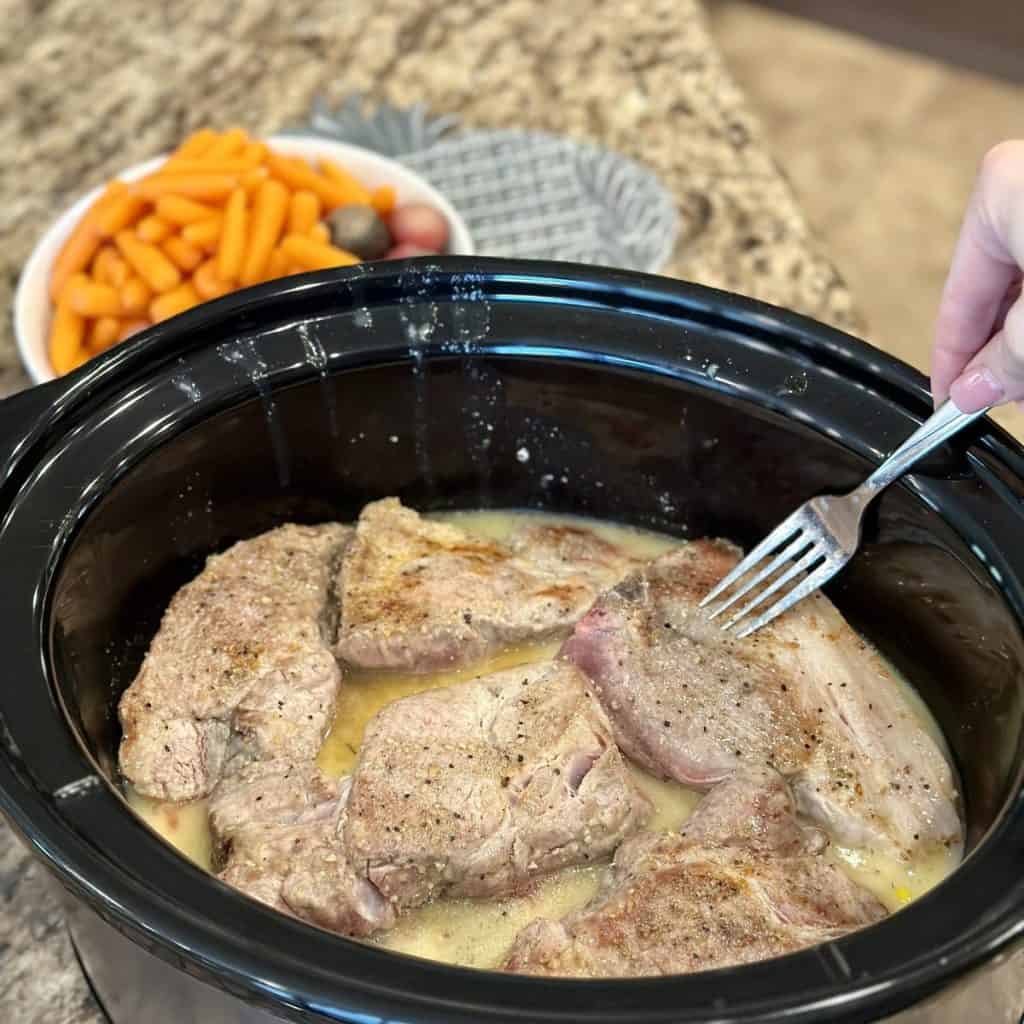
x: 638, y: 400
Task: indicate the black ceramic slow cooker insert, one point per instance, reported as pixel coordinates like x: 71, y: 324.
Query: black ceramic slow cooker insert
x: 638, y: 400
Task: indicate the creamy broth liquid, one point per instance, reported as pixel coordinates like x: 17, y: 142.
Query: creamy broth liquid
x: 476, y: 933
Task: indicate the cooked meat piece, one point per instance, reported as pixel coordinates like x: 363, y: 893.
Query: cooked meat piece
x: 260, y: 814
x: 753, y: 810
x: 720, y: 893
x: 805, y: 695
x: 278, y: 827
x: 476, y: 789
x: 262, y: 795
x: 421, y: 595
x: 241, y: 653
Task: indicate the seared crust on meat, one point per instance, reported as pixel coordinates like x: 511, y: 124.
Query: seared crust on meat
x: 476, y: 789
x: 804, y: 695
x: 241, y: 656
x: 278, y: 827
x: 421, y: 595
x: 720, y: 893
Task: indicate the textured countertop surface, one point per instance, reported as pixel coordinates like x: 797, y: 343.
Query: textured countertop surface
x: 90, y: 88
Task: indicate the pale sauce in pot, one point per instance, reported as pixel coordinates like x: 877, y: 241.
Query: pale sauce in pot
x: 477, y: 933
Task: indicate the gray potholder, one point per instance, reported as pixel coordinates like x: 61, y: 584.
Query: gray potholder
x: 522, y: 194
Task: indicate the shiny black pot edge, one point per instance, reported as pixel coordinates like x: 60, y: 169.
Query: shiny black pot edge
x: 304, y: 983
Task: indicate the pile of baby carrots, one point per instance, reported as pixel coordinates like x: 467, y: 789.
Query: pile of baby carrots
x: 224, y: 212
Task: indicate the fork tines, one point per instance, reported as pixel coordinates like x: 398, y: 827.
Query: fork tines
x: 792, y: 549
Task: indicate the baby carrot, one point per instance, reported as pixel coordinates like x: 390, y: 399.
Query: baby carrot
x: 83, y: 241
x: 311, y: 255
x: 121, y: 212
x: 383, y: 199
x: 252, y: 179
x: 136, y: 296
x: 303, y: 212
x: 231, y: 250
x: 78, y: 251
x: 228, y: 165
x: 66, y: 336
x: 206, y: 282
x: 277, y: 265
x: 230, y: 143
x: 177, y: 300
x: 195, y: 186
x: 298, y: 174
x: 118, y: 271
x: 184, y: 255
x: 88, y: 298
x: 319, y: 232
x: 130, y: 327
x: 108, y: 267
x: 103, y: 333
x: 83, y: 356
x: 180, y: 210
x: 353, y: 189
x: 196, y: 144
x: 254, y: 153
x: 148, y: 262
x: 269, y: 212
x: 204, y: 233
x: 153, y: 228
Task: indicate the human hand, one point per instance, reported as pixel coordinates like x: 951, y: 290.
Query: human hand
x: 978, y: 352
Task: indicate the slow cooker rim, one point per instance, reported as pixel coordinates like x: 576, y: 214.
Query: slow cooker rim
x: 98, y: 378
x: 168, y: 341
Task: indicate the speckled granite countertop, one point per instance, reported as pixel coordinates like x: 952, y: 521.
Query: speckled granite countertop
x: 91, y: 88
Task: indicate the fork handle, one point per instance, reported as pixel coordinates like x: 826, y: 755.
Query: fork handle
x: 946, y: 421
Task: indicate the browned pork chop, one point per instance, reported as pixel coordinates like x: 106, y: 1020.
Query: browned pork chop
x: 742, y: 882
x: 476, y: 789
x: 278, y: 829
x: 804, y: 695
x: 240, y: 655
x: 421, y: 595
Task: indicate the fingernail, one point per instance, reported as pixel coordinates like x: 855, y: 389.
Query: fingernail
x: 976, y: 389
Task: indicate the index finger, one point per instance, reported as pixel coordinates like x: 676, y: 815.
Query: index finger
x: 986, y: 262
x: 979, y: 278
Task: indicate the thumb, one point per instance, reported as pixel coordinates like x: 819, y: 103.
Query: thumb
x: 996, y: 374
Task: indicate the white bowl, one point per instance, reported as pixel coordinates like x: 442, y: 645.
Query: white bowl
x: 32, y: 306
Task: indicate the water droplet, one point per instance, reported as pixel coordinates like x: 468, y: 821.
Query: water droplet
x: 711, y: 370
x: 794, y: 384
x: 185, y: 384
x: 523, y: 454
x: 247, y: 356
x: 315, y: 352
x: 362, y: 317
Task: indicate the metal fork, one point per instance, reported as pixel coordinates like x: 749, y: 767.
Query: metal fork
x: 820, y: 537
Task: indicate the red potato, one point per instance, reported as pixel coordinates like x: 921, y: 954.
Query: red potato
x: 419, y: 225
x: 406, y: 251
